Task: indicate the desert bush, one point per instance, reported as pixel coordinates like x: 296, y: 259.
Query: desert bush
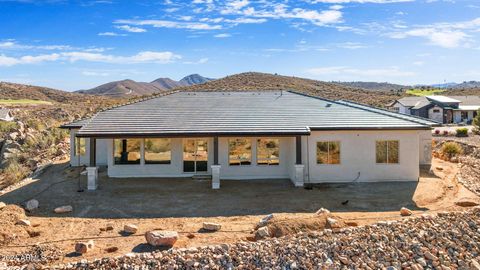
x: 437, y: 131
x: 476, y: 123
x: 451, y: 149
x: 462, y: 132
x: 14, y: 171
x: 445, y: 133
x: 6, y: 127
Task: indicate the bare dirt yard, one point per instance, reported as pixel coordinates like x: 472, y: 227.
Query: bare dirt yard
x: 183, y: 205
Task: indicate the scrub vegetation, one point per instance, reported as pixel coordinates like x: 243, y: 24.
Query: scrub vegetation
x: 425, y: 92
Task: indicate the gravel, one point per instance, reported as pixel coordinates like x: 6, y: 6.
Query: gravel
x: 431, y: 241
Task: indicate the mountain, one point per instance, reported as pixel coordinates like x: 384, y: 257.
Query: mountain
x: 264, y: 81
x: 376, y: 86
x: 131, y: 88
x: 466, y: 85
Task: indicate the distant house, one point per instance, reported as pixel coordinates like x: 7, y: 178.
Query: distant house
x: 6, y: 115
x: 443, y: 109
x: 252, y: 135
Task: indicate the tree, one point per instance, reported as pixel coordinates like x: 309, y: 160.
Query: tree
x: 476, y: 123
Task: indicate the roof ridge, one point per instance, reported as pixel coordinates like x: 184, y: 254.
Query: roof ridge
x: 390, y: 113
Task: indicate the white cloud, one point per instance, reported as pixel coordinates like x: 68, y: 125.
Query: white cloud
x: 345, y: 71
x: 200, y: 61
x: 11, y: 44
x: 224, y: 35
x: 131, y: 29
x: 141, y: 57
x: 352, y: 45
x: 361, y: 1
x: 95, y: 73
x: 170, y: 24
x: 112, y: 34
x: 418, y: 63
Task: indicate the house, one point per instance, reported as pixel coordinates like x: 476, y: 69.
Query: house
x: 251, y: 135
x: 443, y: 109
x: 6, y: 115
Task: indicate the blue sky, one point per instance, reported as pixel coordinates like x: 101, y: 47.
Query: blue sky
x: 73, y: 45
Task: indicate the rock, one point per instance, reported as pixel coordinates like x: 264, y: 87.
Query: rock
x: 474, y: 265
x: 429, y: 256
x: 63, y: 209
x: 264, y: 220
x: 84, y: 247
x: 322, y: 211
x: 262, y: 232
x: 111, y: 249
x: 332, y: 222
x: 344, y: 260
x: 405, y: 212
x: 161, y: 238
x: 130, y: 228
x: 466, y: 202
x: 31, y: 205
x: 23, y: 222
x: 209, y: 226
x: 2, y: 205
x: 61, y: 152
x: 439, y: 168
x: 109, y: 227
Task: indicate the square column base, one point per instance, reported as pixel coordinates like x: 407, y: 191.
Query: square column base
x: 92, y: 178
x: 298, y: 180
x: 215, y: 176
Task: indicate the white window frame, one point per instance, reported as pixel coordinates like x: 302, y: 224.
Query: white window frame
x: 143, y: 152
x: 251, y: 152
x: 328, y: 153
x: 266, y: 159
x: 387, y: 163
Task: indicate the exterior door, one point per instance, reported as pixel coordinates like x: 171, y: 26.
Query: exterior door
x: 195, y: 156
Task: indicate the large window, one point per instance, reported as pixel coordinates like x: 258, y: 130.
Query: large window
x: 328, y: 152
x: 157, y: 151
x: 79, y: 146
x: 239, y: 152
x: 126, y: 151
x: 268, y: 151
x: 387, y: 152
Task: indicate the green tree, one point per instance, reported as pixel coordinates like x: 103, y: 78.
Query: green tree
x: 476, y: 123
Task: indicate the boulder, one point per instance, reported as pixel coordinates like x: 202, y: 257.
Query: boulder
x: 130, y: 228
x: 405, y: 212
x: 322, y: 211
x: 31, y: 205
x: 23, y: 222
x: 84, y: 247
x: 264, y: 220
x: 161, y: 238
x: 466, y: 202
x: 262, y: 232
x: 2, y: 205
x: 63, y: 209
x: 210, y: 226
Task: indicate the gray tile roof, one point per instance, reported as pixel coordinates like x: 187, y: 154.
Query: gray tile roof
x: 238, y: 113
x: 76, y: 124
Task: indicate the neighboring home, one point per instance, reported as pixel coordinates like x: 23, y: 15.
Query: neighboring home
x: 252, y: 135
x: 6, y: 115
x: 443, y: 109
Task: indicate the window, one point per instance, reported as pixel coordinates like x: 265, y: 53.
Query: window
x: 436, y: 111
x: 328, y: 152
x: 268, y: 151
x: 157, y: 151
x: 387, y: 152
x: 126, y: 151
x: 396, y: 109
x: 239, y: 152
x: 79, y: 146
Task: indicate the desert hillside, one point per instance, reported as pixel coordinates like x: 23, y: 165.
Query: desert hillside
x: 265, y: 81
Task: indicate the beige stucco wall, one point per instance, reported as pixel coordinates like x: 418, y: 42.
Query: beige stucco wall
x: 358, y: 157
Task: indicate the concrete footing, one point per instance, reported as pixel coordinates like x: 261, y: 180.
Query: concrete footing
x: 92, y: 178
x: 298, y: 181
x: 215, y: 176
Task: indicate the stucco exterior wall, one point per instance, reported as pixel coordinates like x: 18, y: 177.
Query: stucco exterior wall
x: 358, y: 157
x: 436, y: 116
x: 101, y: 153
x: 425, y: 149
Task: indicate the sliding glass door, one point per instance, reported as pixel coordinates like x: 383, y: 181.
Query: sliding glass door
x: 195, y: 156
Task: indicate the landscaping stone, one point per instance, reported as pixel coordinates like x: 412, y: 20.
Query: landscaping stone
x: 322, y: 211
x: 405, y: 212
x: 262, y: 232
x: 23, y: 222
x: 161, y: 238
x: 466, y: 202
x: 2, y: 205
x: 130, y: 228
x: 210, y: 226
x: 84, y: 247
x: 264, y: 220
x: 31, y: 205
x: 63, y: 209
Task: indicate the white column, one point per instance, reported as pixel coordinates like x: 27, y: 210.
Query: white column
x: 215, y: 176
x: 92, y: 178
x: 299, y: 175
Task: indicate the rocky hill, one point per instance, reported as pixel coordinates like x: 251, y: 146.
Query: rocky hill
x: 131, y: 88
x: 376, y: 86
x: 264, y: 81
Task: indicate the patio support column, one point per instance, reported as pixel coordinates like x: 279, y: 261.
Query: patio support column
x: 299, y: 167
x: 216, y: 166
x: 92, y: 170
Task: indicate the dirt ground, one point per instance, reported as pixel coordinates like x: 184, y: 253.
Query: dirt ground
x: 184, y: 204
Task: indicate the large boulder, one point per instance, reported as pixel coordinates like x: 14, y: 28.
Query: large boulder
x: 161, y: 238
x: 84, y: 247
x: 210, y: 226
x: 63, y: 209
x: 31, y: 205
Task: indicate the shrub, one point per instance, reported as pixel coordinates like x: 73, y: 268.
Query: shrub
x: 462, y: 132
x: 437, y: 131
x: 6, y: 127
x: 451, y: 149
x: 14, y: 171
x: 445, y: 132
x: 476, y: 123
